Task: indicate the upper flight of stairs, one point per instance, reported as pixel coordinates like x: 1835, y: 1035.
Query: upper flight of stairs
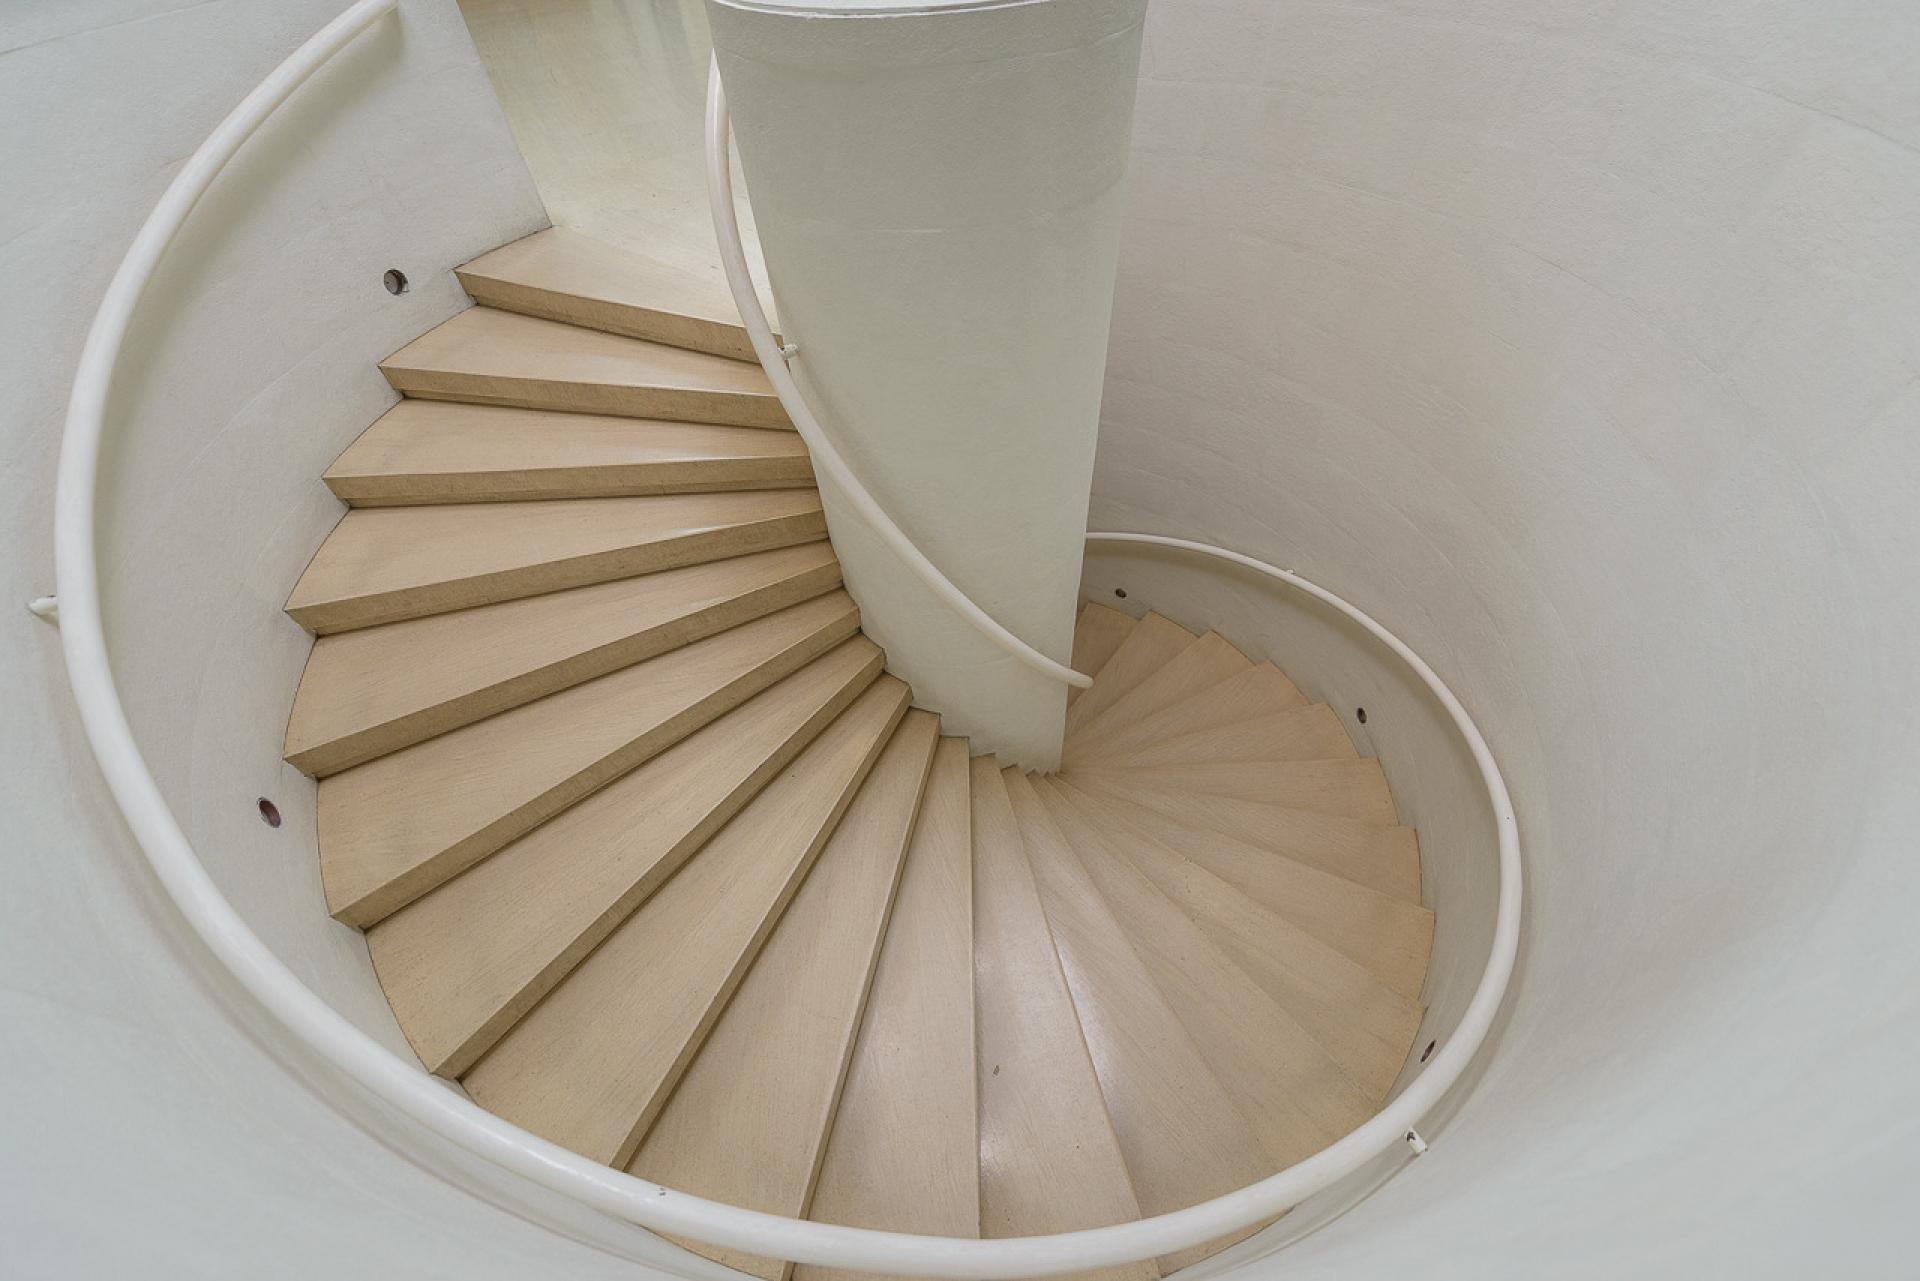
x: 656, y: 860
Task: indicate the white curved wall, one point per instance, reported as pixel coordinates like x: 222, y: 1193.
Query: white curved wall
x: 155, y: 1125
x: 939, y: 196
x: 1581, y: 344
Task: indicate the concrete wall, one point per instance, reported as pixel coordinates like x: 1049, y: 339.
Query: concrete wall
x: 1581, y: 344
x: 939, y: 198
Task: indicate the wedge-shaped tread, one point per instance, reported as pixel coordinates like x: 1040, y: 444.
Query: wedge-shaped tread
x: 369, y: 692
x: 1096, y: 634
x: 1150, y: 644
x: 484, y: 356
x: 1294, y: 1096
x: 591, y: 1066
x: 384, y: 564
x: 563, y: 275
x: 1183, y: 1137
x: 1386, y: 859
x: 1304, y: 733
x: 395, y: 827
x: 461, y: 965
x: 749, y: 1124
x: 912, y: 1071
x: 432, y: 451
x: 1194, y: 670
x: 1389, y: 936
x: 1259, y: 693
x: 1049, y: 1161
x: 1362, y: 1023
x: 1350, y: 789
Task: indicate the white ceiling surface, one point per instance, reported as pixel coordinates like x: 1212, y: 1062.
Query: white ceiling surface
x: 1580, y: 344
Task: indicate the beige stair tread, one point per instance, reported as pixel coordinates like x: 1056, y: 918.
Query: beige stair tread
x: 749, y: 1124
x: 436, y: 451
x: 1379, y: 857
x: 1199, y: 667
x: 1389, y: 936
x: 377, y: 689
x: 1294, y: 1096
x: 1183, y: 1137
x: 1258, y: 692
x: 1302, y: 733
x: 395, y: 827
x: 912, y: 1071
x: 384, y: 564
x: 1148, y: 646
x: 1349, y: 788
x: 1096, y: 634
x: 1362, y: 1023
x: 485, y: 356
x: 591, y: 1066
x: 1049, y: 1161
x: 563, y: 275
x: 461, y: 965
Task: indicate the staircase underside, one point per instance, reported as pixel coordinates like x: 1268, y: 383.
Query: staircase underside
x: 656, y: 860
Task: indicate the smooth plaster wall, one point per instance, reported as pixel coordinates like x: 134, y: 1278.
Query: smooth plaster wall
x: 939, y: 199
x: 156, y: 1124
x: 1581, y: 344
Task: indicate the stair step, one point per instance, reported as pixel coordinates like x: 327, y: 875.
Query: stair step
x: 749, y: 1123
x: 1365, y: 1025
x: 436, y: 451
x: 1199, y: 667
x: 1096, y: 634
x: 1386, y: 859
x: 461, y: 965
x: 563, y: 275
x: 1294, y: 1096
x: 485, y: 356
x: 1354, y: 789
x: 401, y: 824
x: 385, y: 564
x: 1149, y: 645
x: 1049, y: 1161
x: 1183, y: 1138
x: 591, y: 1066
x: 913, y: 1064
x: 1261, y: 692
x: 378, y: 689
x: 1390, y: 936
x: 1304, y: 733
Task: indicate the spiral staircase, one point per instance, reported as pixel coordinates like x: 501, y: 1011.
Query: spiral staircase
x: 656, y: 860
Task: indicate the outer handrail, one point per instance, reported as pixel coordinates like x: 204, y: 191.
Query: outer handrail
x: 733, y: 260
x: 408, y: 1088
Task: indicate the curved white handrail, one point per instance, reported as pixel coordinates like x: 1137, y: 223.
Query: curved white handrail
x: 408, y: 1088
x: 733, y: 259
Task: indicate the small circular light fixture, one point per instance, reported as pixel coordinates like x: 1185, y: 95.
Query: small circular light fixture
x: 269, y: 812
x: 1121, y: 592
x: 395, y: 280
x: 1360, y: 714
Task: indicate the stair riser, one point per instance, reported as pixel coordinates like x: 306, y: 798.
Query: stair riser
x: 690, y: 332
x: 727, y: 409
x: 643, y: 480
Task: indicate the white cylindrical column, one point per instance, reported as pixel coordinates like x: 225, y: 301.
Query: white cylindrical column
x: 938, y: 193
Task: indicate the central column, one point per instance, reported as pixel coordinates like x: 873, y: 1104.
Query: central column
x: 938, y: 193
